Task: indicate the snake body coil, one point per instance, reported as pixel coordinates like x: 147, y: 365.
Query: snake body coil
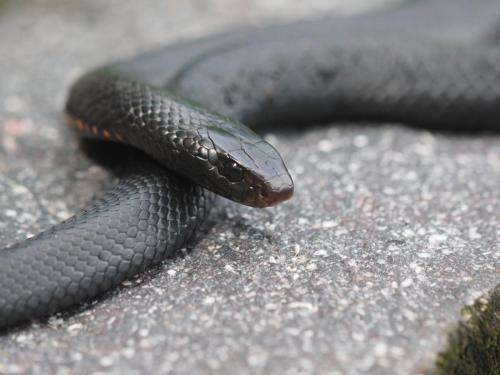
x: 408, y: 65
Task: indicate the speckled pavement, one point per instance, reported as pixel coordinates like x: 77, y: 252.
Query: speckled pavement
x: 392, y: 229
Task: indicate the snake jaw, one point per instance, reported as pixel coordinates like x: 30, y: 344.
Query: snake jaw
x: 266, y: 193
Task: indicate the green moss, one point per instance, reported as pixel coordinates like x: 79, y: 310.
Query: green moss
x: 474, y: 346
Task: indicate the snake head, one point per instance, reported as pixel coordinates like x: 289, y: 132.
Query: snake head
x: 217, y: 153
x: 249, y: 170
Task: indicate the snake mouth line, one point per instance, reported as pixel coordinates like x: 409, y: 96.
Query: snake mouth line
x: 274, y: 197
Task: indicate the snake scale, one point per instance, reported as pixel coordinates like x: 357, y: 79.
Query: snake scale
x: 428, y: 63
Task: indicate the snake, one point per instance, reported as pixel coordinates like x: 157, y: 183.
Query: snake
x: 181, y: 111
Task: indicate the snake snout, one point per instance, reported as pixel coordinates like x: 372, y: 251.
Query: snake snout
x: 266, y: 193
x: 276, y: 191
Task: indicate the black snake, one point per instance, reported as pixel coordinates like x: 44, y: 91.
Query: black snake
x: 429, y: 63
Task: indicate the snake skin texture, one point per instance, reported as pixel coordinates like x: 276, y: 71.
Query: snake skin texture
x: 213, y: 151
x: 405, y: 79
x: 145, y: 218
x: 431, y: 63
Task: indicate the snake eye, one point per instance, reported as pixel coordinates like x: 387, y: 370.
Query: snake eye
x: 233, y: 172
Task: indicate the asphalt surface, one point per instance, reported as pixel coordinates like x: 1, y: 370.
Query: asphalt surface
x: 392, y: 229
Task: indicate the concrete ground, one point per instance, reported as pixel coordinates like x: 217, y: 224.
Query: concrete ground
x: 390, y: 232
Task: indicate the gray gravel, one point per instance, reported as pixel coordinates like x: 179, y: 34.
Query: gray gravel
x: 390, y: 232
